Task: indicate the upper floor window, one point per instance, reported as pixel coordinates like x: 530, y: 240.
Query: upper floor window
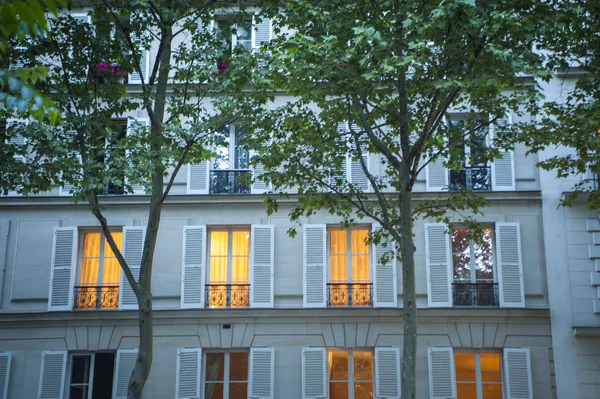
x: 226, y: 375
x: 350, y: 373
x: 228, y: 285
x: 231, y: 168
x: 234, y: 33
x: 478, y: 375
x: 349, y: 267
x: 470, y: 143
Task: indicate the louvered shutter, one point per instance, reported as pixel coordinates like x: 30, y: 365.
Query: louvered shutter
x: 314, y: 373
x: 258, y: 185
x: 517, y: 366
x: 5, y: 361
x: 357, y: 175
x: 261, y: 376
x: 315, y: 275
x: 123, y: 369
x: 64, y: 255
x: 133, y: 125
x: 438, y: 255
x: 342, y: 129
x: 262, y: 255
x: 261, y: 32
x: 503, y: 169
x: 387, y: 373
x: 442, y: 382
x: 17, y: 140
x: 385, y: 289
x: 52, y: 375
x: 66, y: 188
x: 198, y: 178
x: 436, y: 175
x: 510, y: 265
x: 144, y: 62
x: 194, y: 267
x: 133, y: 246
x: 189, y: 364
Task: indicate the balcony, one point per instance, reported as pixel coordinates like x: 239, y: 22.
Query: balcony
x: 474, y: 178
x: 230, y: 181
x: 96, y: 297
x: 227, y: 295
x: 349, y: 294
x: 475, y: 294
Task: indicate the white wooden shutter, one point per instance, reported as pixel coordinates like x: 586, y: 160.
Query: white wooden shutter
x: 17, y: 140
x: 517, y: 367
x: 385, y: 288
x: 387, y: 373
x: 258, y: 185
x: 123, y: 369
x: 315, y: 270
x: 342, y: 130
x: 198, y: 178
x: 144, y: 61
x: 5, y: 361
x: 314, y: 373
x: 262, y: 255
x: 189, y: 364
x: 133, y: 246
x: 438, y: 255
x: 357, y: 175
x: 133, y: 124
x: 510, y: 265
x: 261, y: 31
x: 194, y: 267
x: 64, y: 255
x: 66, y: 188
x: 503, y: 169
x: 442, y: 381
x: 436, y: 175
x: 52, y: 375
x: 261, y: 376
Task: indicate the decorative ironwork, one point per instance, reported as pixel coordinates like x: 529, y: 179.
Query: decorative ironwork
x: 475, y: 294
x: 475, y: 178
x: 349, y: 294
x: 96, y: 297
x: 227, y: 295
x: 230, y: 181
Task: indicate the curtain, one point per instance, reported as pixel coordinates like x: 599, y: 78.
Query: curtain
x: 338, y: 261
x: 360, y: 256
x: 214, y: 361
x: 239, y: 259
x: 111, y: 270
x: 218, y: 256
x: 90, y: 259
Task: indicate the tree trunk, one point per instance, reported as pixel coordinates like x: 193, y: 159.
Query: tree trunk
x: 407, y: 251
x: 143, y: 362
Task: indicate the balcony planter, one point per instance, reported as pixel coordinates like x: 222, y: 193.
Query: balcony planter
x: 105, y: 72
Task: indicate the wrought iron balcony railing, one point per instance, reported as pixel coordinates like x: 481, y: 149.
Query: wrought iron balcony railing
x: 230, y: 181
x: 475, y: 294
x: 349, y: 294
x: 96, y: 297
x: 227, y: 295
x: 475, y: 178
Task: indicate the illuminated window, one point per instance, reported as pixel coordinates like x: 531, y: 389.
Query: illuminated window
x: 478, y: 375
x: 350, y: 374
x: 349, y: 277
x: 226, y: 375
x: 100, y: 272
x: 228, y: 268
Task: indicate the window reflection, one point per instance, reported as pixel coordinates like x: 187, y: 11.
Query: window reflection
x: 350, y: 374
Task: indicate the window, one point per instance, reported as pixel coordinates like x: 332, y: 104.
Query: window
x: 350, y: 373
x: 469, y: 140
x: 478, y: 375
x: 99, y: 273
x: 91, y: 375
x: 111, y: 154
x: 234, y: 34
x: 349, y: 276
x: 226, y: 375
x: 228, y: 268
x: 231, y: 168
x: 473, y: 268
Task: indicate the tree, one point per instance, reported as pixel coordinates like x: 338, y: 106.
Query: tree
x: 377, y: 78
x: 89, y: 57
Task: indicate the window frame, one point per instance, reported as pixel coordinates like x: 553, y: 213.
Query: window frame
x: 226, y: 369
x: 232, y: 146
x: 229, y: 230
x: 233, y: 36
x: 467, y: 162
x: 477, y: 365
x: 351, y: 381
x: 348, y: 254
x: 80, y: 243
x: 473, y: 269
x: 91, y: 371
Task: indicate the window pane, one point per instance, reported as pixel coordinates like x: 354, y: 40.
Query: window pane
x: 339, y: 269
x: 218, y: 243
x: 222, y: 160
x: 218, y: 256
x: 214, y: 390
x: 338, y: 243
x: 461, y: 255
x: 338, y: 390
x: 89, y: 271
x: 465, y: 366
x: 363, y: 366
x: 111, y: 271
x: 360, y: 269
x: 492, y: 391
x: 490, y: 367
x: 359, y: 246
x: 80, y: 373
x: 215, y: 363
x: 238, y: 366
x: 79, y: 392
x: 241, y: 241
x: 239, y: 269
x: 91, y: 244
x: 118, y: 237
x: 241, y: 155
x: 363, y: 390
x: 484, y: 260
x: 466, y: 391
x: 238, y: 390
x: 338, y: 366
x: 338, y: 262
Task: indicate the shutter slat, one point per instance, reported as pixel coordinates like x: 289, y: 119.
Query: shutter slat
x: 357, y: 174
x: 314, y: 377
x: 517, y: 365
x: 198, y: 178
x: 133, y: 247
x: 262, y: 266
x: 262, y: 368
x: 258, y: 185
x: 194, y: 266
x: 439, y: 265
x: 123, y: 369
x: 510, y: 266
x: 385, y: 289
x: 64, y: 254
x: 314, y: 265
x: 188, y: 373
x: 52, y: 377
x: 5, y: 362
x: 503, y: 168
x: 436, y: 175
x: 442, y: 383
x: 387, y: 373
x: 261, y: 32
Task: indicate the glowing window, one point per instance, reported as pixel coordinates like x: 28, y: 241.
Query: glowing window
x: 349, y: 276
x: 478, y: 375
x: 226, y: 375
x: 350, y: 374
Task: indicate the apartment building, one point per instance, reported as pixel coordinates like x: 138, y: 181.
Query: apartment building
x: 243, y: 310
